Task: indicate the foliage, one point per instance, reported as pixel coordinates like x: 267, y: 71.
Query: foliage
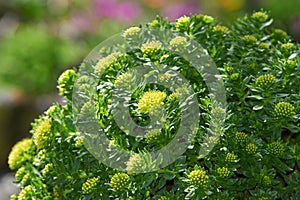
x: 31, y: 59
x: 258, y: 156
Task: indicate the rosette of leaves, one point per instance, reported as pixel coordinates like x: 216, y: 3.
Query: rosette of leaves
x: 256, y: 157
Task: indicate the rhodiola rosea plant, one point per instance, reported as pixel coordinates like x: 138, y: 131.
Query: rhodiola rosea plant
x: 255, y: 154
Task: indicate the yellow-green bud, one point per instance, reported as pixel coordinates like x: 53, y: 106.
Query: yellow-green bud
x: 249, y: 40
x: 56, y: 193
x: 48, y: 169
x: 218, y: 113
x: 266, y: 181
x: 223, y: 172
x: 264, y: 46
x: 25, y: 180
x: 106, y: 62
x: 284, y: 109
x: 178, y: 42
x: 220, y: 29
x: 42, y: 134
x: 151, y: 99
x: 182, y: 23
x: 42, y: 154
x: 20, y: 153
x: 79, y: 142
x: 288, y: 47
x: 151, y: 48
x: 153, y: 136
x: 234, y: 76
x: 251, y: 148
x: 207, y: 19
x: 154, y: 23
x: 265, y: 81
x: 260, y: 17
x: 198, y: 178
x: 90, y: 185
x: 120, y: 181
x: 165, y: 77
x: 66, y: 81
x: 124, y: 80
x: 131, y: 32
x: 240, y: 137
x: 229, y: 69
x: 275, y: 149
x: 279, y: 35
x: 230, y: 157
x: 135, y: 164
x: 14, y: 197
x: 20, y: 173
x: 26, y: 193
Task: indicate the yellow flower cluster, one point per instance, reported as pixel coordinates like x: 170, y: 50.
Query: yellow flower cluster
x: 26, y: 193
x: 265, y: 81
x: 65, y: 82
x: 266, y: 180
x: 220, y: 29
x: 198, y: 177
x: 264, y: 46
x: 178, y: 42
x: 279, y: 34
x: 135, y: 164
x: 251, y: 148
x: 106, y: 62
x: 152, y: 136
x: 25, y: 180
x: 120, y: 181
x: 284, y: 109
x: 79, y: 142
x: 230, y: 157
x: 207, y: 19
x: 14, y: 197
x: 90, y: 185
x: 47, y: 170
x: 20, y: 173
x: 275, y: 149
x: 249, y: 39
x: 123, y: 80
x: 42, y: 154
x: 151, y: 48
x: 223, y: 172
x: 182, y: 22
x: 132, y: 31
x: 151, y: 99
x: 240, y: 137
x: 287, y: 47
x: 154, y: 23
x: 260, y: 16
x: 234, y: 76
x: 217, y: 113
x: 20, y: 153
x: 43, y: 134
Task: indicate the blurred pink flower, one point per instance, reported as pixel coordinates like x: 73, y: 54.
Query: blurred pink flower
x: 113, y: 9
x: 175, y: 11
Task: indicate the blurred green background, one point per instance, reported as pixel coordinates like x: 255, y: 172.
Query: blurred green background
x: 41, y: 38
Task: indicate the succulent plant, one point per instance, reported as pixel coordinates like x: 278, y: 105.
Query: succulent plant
x: 247, y: 148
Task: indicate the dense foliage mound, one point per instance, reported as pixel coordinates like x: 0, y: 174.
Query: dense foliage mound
x: 256, y: 154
